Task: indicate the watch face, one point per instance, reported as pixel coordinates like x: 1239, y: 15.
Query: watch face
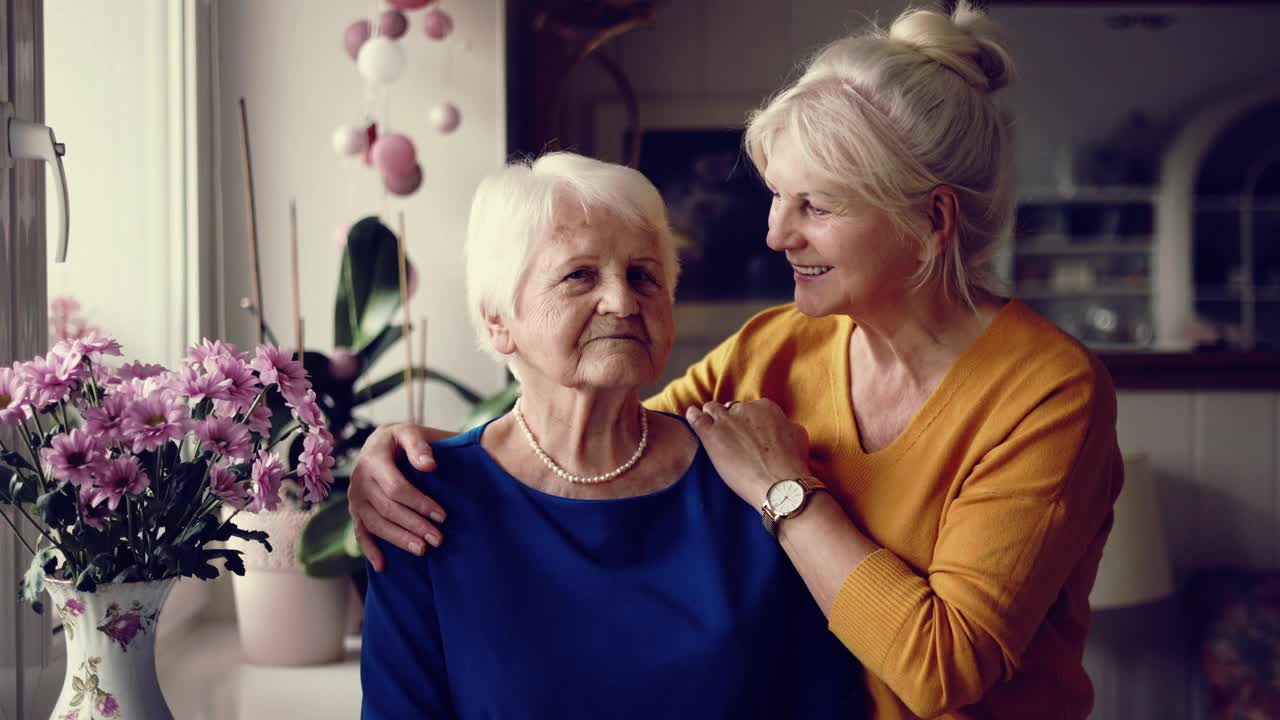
x: 785, y: 496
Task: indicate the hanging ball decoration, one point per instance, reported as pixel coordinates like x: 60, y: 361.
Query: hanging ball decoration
x: 437, y: 24
x: 392, y: 24
x: 343, y: 364
x: 381, y: 60
x: 355, y: 36
x: 404, y: 184
x: 394, y: 154
x: 409, y: 4
x: 349, y: 140
x: 445, y: 117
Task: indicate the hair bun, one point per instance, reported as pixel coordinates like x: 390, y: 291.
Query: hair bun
x: 967, y: 42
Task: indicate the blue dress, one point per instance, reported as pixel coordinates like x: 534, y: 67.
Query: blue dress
x: 673, y: 604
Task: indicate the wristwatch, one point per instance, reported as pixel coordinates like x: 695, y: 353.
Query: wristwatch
x: 786, y: 498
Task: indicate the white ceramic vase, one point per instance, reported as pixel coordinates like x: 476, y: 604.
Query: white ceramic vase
x: 111, y: 650
x: 286, y: 617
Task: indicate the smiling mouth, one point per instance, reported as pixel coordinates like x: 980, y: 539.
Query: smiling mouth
x: 811, y: 270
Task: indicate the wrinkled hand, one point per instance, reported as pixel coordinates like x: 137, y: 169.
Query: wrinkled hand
x: 382, y: 502
x: 752, y: 445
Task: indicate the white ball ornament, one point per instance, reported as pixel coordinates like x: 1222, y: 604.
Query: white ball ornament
x: 445, y: 117
x: 349, y: 140
x: 381, y: 60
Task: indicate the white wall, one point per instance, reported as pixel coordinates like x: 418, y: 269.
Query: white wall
x: 285, y: 58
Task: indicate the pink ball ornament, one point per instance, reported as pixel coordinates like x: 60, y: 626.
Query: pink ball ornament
x: 343, y: 364
x: 394, y: 154
x: 404, y: 184
x: 355, y: 36
x: 349, y: 140
x: 409, y: 4
x: 445, y: 117
x: 437, y: 24
x: 393, y: 24
x: 381, y: 60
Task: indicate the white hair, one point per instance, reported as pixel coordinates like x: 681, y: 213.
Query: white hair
x: 887, y: 116
x: 515, y: 207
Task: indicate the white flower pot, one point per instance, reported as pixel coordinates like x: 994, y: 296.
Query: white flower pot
x: 111, y: 650
x: 286, y: 617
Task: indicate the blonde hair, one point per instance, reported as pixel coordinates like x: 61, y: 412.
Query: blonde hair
x: 887, y: 116
x: 515, y: 206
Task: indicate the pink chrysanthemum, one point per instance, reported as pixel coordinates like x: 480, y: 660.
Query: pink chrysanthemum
x: 122, y: 475
x: 265, y: 479
x: 224, y: 484
x: 51, y: 378
x: 225, y: 437
x: 197, y: 386
x: 207, y: 349
x: 76, y: 457
x: 152, y: 420
x: 276, y: 366
x: 244, y: 386
x: 105, y: 422
x: 138, y: 371
x: 91, y: 516
x: 13, y: 398
x: 315, y: 464
x: 305, y: 408
x: 92, y: 345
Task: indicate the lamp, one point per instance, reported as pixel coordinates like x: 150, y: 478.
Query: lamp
x: 1135, y: 562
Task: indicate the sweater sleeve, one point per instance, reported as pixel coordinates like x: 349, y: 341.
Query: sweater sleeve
x: 402, y: 668
x: 699, y: 384
x: 1021, y: 523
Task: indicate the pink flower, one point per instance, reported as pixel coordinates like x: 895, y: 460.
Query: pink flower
x: 276, y: 366
x: 105, y: 422
x: 138, y: 371
x: 122, y: 475
x: 225, y: 437
x: 305, y: 408
x: 13, y: 398
x: 51, y: 378
x: 244, y: 386
x: 224, y: 484
x: 190, y: 383
x: 152, y: 420
x: 259, y: 420
x: 107, y: 705
x: 207, y: 349
x: 267, y: 474
x: 74, y: 607
x: 92, y: 344
x: 315, y: 464
x: 121, y: 627
x: 75, y: 457
x: 91, y: 516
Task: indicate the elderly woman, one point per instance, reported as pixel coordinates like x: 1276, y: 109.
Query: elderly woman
x: 969, y: 446
x: 598, y: 566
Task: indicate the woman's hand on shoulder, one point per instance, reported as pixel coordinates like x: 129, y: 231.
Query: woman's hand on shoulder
x: 383, y: 503
x: 752, y: 445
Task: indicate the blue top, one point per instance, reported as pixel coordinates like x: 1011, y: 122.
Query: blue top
x: 673, y: 604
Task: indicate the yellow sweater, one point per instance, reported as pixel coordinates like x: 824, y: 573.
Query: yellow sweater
x: 992, y: 507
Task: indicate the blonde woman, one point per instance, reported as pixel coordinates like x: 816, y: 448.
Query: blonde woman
x: 968, y: 446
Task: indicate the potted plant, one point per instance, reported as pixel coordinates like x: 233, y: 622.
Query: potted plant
x: 123, y: 472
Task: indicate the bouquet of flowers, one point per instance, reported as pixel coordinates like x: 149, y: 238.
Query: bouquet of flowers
x: 124, y: 470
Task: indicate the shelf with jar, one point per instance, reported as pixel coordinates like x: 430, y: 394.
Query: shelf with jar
x: 1083, y: 258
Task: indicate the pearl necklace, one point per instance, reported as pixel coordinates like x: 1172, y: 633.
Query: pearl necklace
x: 577, y: 479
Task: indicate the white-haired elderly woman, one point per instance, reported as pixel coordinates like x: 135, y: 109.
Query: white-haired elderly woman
x: 598, y: 567
x: 968, y: 445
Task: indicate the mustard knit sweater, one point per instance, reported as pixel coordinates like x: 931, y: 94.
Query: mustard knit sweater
x: 991, y: 507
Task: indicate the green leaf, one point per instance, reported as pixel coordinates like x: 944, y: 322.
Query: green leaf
x: 368, y: 283
x: 493, y: 406
x: 375, y: 390
x: 327, y: 547
x: 31, y: 589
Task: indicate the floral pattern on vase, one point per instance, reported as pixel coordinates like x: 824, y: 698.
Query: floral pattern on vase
x: 101, y: 704
x: 68, y: 610
x: 123, y: 627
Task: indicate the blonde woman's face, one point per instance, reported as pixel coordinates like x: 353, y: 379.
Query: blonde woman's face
x: 846, y: 257
x: 593, y: 310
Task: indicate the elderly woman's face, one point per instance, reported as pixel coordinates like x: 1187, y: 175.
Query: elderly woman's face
x: 594, y: 309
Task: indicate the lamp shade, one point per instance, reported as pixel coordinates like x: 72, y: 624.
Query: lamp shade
x: 1135, y: 560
